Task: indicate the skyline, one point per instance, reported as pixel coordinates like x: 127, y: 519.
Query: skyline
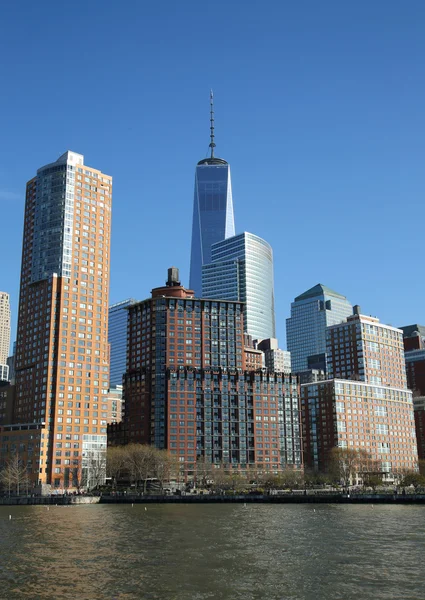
x: 331, y: 123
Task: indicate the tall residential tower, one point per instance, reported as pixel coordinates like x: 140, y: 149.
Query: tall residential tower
x: 213, y: 218
x: 4, y: 334
x: 62, y: 356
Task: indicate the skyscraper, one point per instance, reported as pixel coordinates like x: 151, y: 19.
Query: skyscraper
x: 241, y: 269
x: 4, y: 334
x: 62, y: 358
x: 117, y: 337
x: 311, y: 313
x: 213, y: 218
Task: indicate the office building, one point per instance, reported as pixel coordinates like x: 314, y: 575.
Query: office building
x: 311, y: 313
x: 275, y: 359
x: 365, y: 403
x: 62, y: 354
x: 213, y: 218
x: 241, y: 269
x: 117, y: 337
x: 187, y: 387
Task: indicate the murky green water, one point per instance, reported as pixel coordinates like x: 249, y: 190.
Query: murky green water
x: 217, y: 552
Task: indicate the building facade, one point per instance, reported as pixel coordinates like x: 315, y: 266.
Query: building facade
x: 414, y: 354
x: 363, y: 349
x: 311, y: 313
x: 117, y: 337
x: 187, y: 388
x: 366, y: 404
x: 275, y: 359
x: 419, y: 412
x: 213, y: 218
x: 241, y: 269
x: 4, y: 335
x: 359, y: 416
x: 62, y: 354
x: 113, y: 404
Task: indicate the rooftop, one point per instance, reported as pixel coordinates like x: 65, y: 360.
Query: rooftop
x: 319, y: 290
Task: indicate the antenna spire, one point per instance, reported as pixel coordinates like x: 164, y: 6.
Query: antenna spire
x: 212, y: 143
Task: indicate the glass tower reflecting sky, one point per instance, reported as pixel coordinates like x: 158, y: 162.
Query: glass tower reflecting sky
x: 213, y: 218
x: 241, y: 269
x: 311, y: 313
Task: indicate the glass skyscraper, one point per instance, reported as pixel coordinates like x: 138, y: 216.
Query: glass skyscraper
x: 241, y: 269
x: 311, y: 313
x: 213, y: 218
x: 117, y: 338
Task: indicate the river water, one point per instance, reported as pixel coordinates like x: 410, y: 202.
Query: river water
x: 212, y: 552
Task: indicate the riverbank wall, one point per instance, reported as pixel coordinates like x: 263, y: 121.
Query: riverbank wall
x: 269, y: 499
x: 218, y: 499
x: 60, y: 500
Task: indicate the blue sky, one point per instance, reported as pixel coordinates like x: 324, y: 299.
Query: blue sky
x: 319, y: 111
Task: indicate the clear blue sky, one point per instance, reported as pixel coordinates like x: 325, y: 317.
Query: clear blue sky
x: 319, y: 111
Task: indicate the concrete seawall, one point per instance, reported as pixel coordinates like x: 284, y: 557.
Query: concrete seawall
x: 218, y: 499
x: 48, y: 500
x: 272, y: 499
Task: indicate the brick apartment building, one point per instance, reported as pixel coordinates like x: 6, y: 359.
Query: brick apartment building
x: 188, y: 389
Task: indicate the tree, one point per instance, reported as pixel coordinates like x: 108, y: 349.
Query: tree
x: 343, y: 464
x: 95, y: 464
x: 203, y: 472
x: 164, y: 466
x: 116, y: 463
x: 141, y: 463
x: 15, y: 476
x: 413, y: 478
x: 78, y: 476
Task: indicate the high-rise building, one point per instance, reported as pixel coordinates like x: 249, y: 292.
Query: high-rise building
x: 114, y: 404
x: 62, y: 355
x: 118, y: 339
x: 414, y: 354
x: 275, y: 359
x: 241, y: 269
x: 363, y: 349
x: 213, y: 218
x: 359, y: 416
x: 365, y: 403
x: 4, y: 372
x: 187, y: 387
x: 311, y: 313
x: 419, y: 412
x: 4, y: 335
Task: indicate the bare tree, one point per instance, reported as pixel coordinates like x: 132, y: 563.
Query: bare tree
x: 141, y: 462
x: 165, y: 466
x: 343, y: 464
x: 116, y: 463
x: 95, y: 463
x: 15, y: 476
x: 203, y: 472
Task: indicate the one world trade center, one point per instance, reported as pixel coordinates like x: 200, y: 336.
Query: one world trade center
x: 213, y: 219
